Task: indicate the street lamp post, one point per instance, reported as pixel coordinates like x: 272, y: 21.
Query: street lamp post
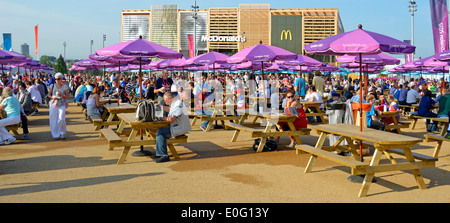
x: 64, y: 44
x: 412, y: 8
x: 194, y: 10
x: 92, y: 43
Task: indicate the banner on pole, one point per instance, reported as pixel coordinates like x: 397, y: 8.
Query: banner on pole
x: 7, y: 42
x: 36, y: 36
x: 191, y: 45
x: 439, y: 23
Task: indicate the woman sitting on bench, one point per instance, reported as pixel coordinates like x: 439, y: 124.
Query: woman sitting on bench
x: 93, y: 104
x: 293, y: 107
x: 11, y: 106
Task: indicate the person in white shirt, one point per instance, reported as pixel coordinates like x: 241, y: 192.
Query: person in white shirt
x: 314, y: 97
x: 34, y: 92
x: 402, y: 81
x: 412, y: 96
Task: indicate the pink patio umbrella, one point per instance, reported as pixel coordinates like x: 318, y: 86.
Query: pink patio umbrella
x: 139, y: 48
x: 358, y: 42
x: 262, y: 53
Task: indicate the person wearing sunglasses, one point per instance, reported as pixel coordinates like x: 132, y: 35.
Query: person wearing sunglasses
x: 58, y: 94
x: 293, y: 107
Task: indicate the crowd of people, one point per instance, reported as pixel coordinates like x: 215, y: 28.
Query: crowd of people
x: 205, y: 90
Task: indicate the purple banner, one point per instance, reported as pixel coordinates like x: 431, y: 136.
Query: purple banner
x: 439, y: 22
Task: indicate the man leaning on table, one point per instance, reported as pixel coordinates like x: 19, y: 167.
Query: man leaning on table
x: 179, y: 125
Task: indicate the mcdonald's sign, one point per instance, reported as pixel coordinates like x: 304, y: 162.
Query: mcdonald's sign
x: 286, y: 33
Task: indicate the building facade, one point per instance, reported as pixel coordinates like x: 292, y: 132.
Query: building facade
x: 229, y: 30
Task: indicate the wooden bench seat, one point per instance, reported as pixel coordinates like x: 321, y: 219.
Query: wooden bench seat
x: 112, y: 137
x: 98, y: 122
x: 251, y: 130
x: 13, y: 128
x: 415, y: 155
x: 438, y: 139
x: 114, y: 140
x: 357, y: 166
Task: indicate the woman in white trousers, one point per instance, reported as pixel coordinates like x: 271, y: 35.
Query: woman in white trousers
x: 58, y: 94
x: 11, y: 106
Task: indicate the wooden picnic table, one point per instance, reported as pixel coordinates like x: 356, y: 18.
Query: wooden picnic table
x: 150, y: 128
x: 384, y: 143
x: 442, y: 121
x: 271, y: 121
x: 219, y: 114
x: 307, y: 107
x: 107, y: 99
x: 114, y: 110
x: 397, y: 125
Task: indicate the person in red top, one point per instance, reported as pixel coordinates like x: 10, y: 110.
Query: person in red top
x: 289, y: 109
x: 4, y: 82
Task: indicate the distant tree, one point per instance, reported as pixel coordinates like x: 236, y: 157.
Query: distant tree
x: 61, y: 65
x: 46, y: 61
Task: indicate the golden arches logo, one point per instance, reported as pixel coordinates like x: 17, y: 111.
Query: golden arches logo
x: 286, y: 32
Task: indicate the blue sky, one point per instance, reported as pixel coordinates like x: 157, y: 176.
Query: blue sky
x: 77, y: 22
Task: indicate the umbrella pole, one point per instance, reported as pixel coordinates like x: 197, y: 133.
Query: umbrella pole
x: 264, y: 86
x: 360, y: 178
x: 118, y: 86
x: 360, y: 105
x: 141, y: 152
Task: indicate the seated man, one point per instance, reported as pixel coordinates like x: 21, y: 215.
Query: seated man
x: 35, y: 95
x: 179, y: 125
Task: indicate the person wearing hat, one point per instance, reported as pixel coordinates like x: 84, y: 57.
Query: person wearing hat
x: 58, y: 94
x: 11, y: 106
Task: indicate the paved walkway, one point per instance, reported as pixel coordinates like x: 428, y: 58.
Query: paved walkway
x: 211, y: 169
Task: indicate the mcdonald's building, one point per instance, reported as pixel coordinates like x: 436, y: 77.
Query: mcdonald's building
x: 228, y: 30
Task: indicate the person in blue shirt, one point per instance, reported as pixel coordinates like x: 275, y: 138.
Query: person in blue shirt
x: 372, y: 120
x: 426, y: 103
x: 300, y: 86
x: 402, y: 96
x: 11, y: 106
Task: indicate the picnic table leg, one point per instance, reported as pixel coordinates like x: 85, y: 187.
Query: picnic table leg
x: 437, y: 148
x: 214, y: 114
x: 369, y: 177
x: 264, y: 139
x: 444, y: 129
x: 121, y: 127
x: 396, y: 125
x: 416, y: 172
x: 125, y: 151
x: 292, y: 128
x: 173, y: 151
x: 110, y: 118
x: 237, y: 131
x: 353, y: 150
x: 313, y: 158
x: 414, y: 123
x: 194, y: 120
x: 322, y: 114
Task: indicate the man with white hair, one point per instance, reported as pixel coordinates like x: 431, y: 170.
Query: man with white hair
x: 179, y: 125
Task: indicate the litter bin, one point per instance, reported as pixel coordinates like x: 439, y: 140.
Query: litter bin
x: 355, y: 108
x: 335, y: 112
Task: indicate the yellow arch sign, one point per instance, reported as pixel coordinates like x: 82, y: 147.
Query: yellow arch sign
x: 286, y: 32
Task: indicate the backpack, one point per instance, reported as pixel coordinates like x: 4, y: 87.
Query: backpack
x: 271, y: 145
x: 145, y: 111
